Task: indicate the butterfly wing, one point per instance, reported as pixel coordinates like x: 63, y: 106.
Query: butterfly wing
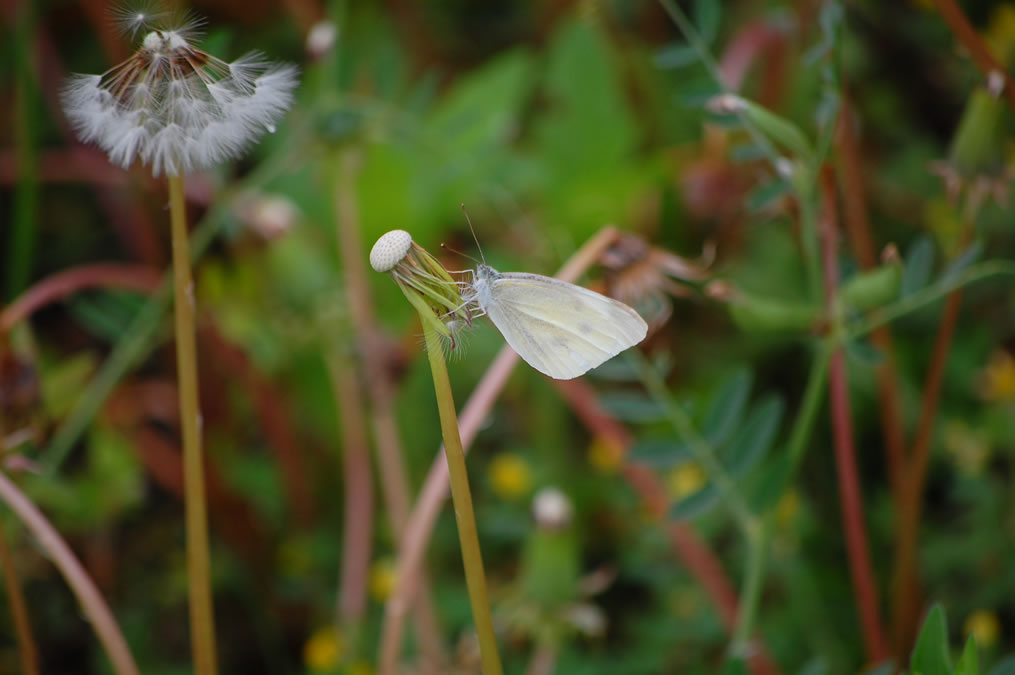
x: 560, y: 329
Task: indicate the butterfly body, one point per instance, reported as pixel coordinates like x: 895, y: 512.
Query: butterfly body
x: 560, y: 329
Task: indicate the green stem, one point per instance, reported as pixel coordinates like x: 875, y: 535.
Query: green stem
x: 757, y: 539
x: 703, y: 453
x: 202, y: 620
x: 750, y: 594
x: 925, y: 296
x: 472, y: 559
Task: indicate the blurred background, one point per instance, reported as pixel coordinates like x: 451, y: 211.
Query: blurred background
x: 549, y: 120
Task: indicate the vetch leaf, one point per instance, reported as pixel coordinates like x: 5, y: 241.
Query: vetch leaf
x: 676, y: 56
x: 930, y: 656
x: 706, y: 19
x: 659, y: 453
x: 755, y: 437
x: 629, y: 406
x: 919, y: 261
x: 727, y: 406
x: 970, y: 255
x: 698, y: 504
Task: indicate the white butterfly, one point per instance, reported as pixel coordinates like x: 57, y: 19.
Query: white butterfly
x: 560, y: 329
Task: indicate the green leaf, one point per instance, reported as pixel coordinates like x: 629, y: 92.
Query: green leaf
x: 723, y: 413
x: 706, y: 19
x: 764, y: 194
x: 755, y: 437
x: 630, y: 406
x: 969, y: 664
x: 698, y: 504
x: 930, y: 656
x: 659, y: 453
x: 676, y: 56
x: 919, y: 261
x: 1005, y: 667
x: 956, y: 267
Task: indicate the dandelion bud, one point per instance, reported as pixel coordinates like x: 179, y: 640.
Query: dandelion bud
x: 424, y: 282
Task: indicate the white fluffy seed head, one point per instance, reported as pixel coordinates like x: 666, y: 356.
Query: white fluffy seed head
x: 173, y: 106
x: 389, y: 250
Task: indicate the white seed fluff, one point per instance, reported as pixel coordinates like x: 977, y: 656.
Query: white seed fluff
x: 177, y: 108
x: 389, y: 249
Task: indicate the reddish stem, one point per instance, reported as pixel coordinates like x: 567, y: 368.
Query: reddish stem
x: 27, y: 651
x: 974, y: 44
x: 139, y: 278
x: 911, y: 510
x: 864, y: 588
x: 357, y: 529
x: 862, y: 242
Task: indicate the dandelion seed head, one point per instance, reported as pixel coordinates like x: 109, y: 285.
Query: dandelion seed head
x: 173, y: 106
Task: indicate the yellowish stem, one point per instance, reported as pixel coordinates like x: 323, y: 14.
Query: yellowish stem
x: 202, y: 620
x: 472, y: 559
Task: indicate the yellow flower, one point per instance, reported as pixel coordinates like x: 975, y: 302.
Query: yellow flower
x: 604, y: 455
x: 969, y: 450
x: 984, y: 626
x: 685, y: 480
x: 322, y: 650
x: 383, y: 574
x: 787, y: 508
x: 997, y: 381
x: 510, y: 476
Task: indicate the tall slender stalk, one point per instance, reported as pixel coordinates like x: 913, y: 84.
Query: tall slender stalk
x: 472, y: 559
x: 850, y: 495
x: 94, y: 607
x: 202, y: 620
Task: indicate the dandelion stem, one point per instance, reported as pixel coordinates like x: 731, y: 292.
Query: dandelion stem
x: 202, y: 620
x: 472, y: 559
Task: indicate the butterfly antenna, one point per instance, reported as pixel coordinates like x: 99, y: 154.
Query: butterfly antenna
x: 457, y: 252
x: 474, y: 237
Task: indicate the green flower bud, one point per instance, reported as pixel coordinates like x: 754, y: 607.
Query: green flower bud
x: 873, y: 288
x: 756, y: 314
x: 978, y: 145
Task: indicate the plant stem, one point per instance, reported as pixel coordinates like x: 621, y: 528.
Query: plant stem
x: 462, y: 497
x: 202, y: 620
x: 19, y: 613
x: 750, y: 594
x: 928, y: 295
x: 94, y: 607
x: 975, y: 45
x: 850, y: 494
x: 703, y: 453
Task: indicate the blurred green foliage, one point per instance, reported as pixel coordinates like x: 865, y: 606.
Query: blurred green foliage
x: 549, y: 121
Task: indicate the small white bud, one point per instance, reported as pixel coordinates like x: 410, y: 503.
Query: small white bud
x: 389, y: 249
x: 321, y: 38
x: 551, y: 508
x: 725, y: 104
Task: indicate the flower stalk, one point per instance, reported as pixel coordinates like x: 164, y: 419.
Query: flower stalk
x: 202, y: 623
x: 435, y: 295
